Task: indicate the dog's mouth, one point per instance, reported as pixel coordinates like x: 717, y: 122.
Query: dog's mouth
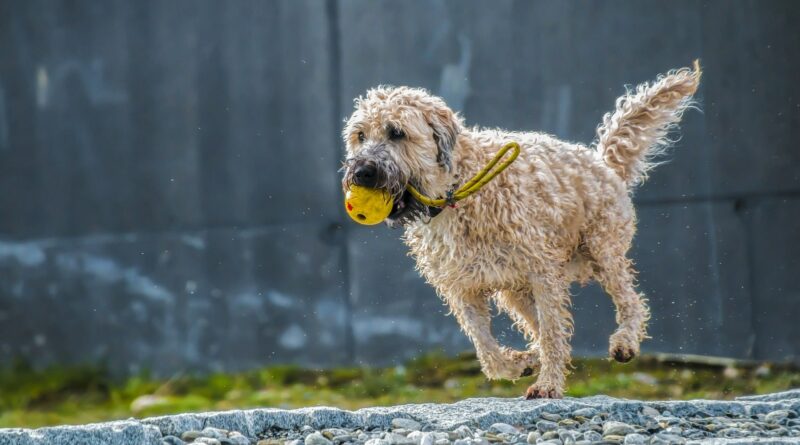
x: 406, y: 209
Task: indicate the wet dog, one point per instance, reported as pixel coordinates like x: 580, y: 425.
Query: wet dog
x: 561, y: 213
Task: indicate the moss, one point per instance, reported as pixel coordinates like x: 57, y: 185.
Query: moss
x: 81, y: 394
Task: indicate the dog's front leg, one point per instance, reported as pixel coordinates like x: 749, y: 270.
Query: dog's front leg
x: 471, y: 309
x: 555, y: 331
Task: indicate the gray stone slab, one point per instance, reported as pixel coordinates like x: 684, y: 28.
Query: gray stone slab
x: 773, y: 225
x: 202, y: 301
x: 150, y: 116
x: 750, y: 100
x: 695, y: 272
x: 395, y: 314
x: 481, y: 413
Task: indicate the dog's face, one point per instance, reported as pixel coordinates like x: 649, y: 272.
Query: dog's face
x: 398, y: 136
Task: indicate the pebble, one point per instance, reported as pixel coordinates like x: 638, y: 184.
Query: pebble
x: 778, y: 416
x: 585, y: 412
x: 172, y: 440
x: 317, y: 438
x: 634, y: 439
x: 546, y: 425
x: 376, y: 442
x: 533, y: 437
x: 191, y: 435
x: 408, y: 424
x: 235, y: 438
x: 395, y: 439
x: 613, y: 428
x: 503, y: 428
x: 214, y: 433
x: 592, y: 436
x: 207, y: 441
x: 550, y: 416
x: 650, y: 412
x: 463, y: 432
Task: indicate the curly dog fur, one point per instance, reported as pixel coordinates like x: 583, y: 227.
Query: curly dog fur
x: 561, y: 213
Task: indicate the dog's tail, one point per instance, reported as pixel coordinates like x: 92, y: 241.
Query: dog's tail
x: 636, y: 132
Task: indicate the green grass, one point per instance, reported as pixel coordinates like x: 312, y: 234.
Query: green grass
x: 73, y: 395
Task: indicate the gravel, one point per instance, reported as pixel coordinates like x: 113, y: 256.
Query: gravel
x: 769, y: 419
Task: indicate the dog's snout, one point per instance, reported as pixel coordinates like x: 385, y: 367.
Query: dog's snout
x: 366, y: 175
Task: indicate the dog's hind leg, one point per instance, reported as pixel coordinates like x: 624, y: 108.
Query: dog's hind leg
x: 609, y: 243
x: 555, y: 330
x: 473, y: 313
x: 617, y: 277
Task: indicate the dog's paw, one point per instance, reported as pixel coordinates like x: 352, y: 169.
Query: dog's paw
x: 524, y: 361
x: 623, y: 348
x: 537, y: 391
x: 623, y: 355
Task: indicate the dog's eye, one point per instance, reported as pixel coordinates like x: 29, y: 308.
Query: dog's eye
x: 361, y: 137
x: 396, y: 133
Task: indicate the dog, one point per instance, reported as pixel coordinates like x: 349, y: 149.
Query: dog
x: 561, y: 213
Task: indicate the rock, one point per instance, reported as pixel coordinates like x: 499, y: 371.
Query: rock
x: 568, y: 423
x: 550, y: 435
x: 172, y: 440
x: 463, y: 432
x: 395, y: 439
x: 503, y: 428
x: 427, y: 439
x: 235, y: 438
x: 190, y: 435
x: 585, y: 412
x: 634, y: 439
x: 533, y: 437
x: 550, y: 416
x: 330, y: 433
x: 546, y: 425
x: 316, y: 438
x: 650, y: 412
x: 408, y: 424
x: 778, y: 416
x: 666, y: 439
x: 442, y: 442
x: 613, y: 428
x: 207, y: 441
x: 613, y: 438
x: 214, y: 433
x: 552, y: 442
x: 592, y: 436
x: 376, y: 442
x: 272, y: 442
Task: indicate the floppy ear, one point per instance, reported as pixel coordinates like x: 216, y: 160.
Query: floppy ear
x: 445, y: 130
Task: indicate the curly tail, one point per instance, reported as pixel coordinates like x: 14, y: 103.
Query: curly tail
x: 636, y: 132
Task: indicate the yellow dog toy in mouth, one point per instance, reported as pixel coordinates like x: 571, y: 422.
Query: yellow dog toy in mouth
x: 366, y: 205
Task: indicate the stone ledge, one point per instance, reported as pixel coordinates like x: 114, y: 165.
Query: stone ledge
x: 479, y: 413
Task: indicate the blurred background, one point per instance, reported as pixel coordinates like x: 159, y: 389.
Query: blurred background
x: 170, y: 203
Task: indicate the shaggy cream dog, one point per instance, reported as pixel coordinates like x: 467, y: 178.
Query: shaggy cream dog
x: 561, y: 213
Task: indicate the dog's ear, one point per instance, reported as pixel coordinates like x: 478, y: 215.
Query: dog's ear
x: 446, y: 127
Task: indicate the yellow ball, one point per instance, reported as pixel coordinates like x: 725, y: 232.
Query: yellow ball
x: 366, y: 205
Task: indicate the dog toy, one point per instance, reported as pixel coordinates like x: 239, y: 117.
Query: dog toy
x: 366, y: 205
x: 474, y: 184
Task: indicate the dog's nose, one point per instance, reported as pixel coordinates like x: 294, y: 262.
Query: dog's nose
x: 366, y: 175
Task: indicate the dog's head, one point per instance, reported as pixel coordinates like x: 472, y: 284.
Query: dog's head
x: 397, y: 136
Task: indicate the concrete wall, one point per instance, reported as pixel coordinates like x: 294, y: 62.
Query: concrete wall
x: 169, y: 197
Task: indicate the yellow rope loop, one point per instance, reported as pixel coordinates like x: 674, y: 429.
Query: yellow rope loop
x: 477, y: 181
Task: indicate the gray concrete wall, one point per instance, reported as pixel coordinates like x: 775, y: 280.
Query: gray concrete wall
x: 169, y: 197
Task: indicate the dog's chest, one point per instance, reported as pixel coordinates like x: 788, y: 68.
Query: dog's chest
x: 453, y: 253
